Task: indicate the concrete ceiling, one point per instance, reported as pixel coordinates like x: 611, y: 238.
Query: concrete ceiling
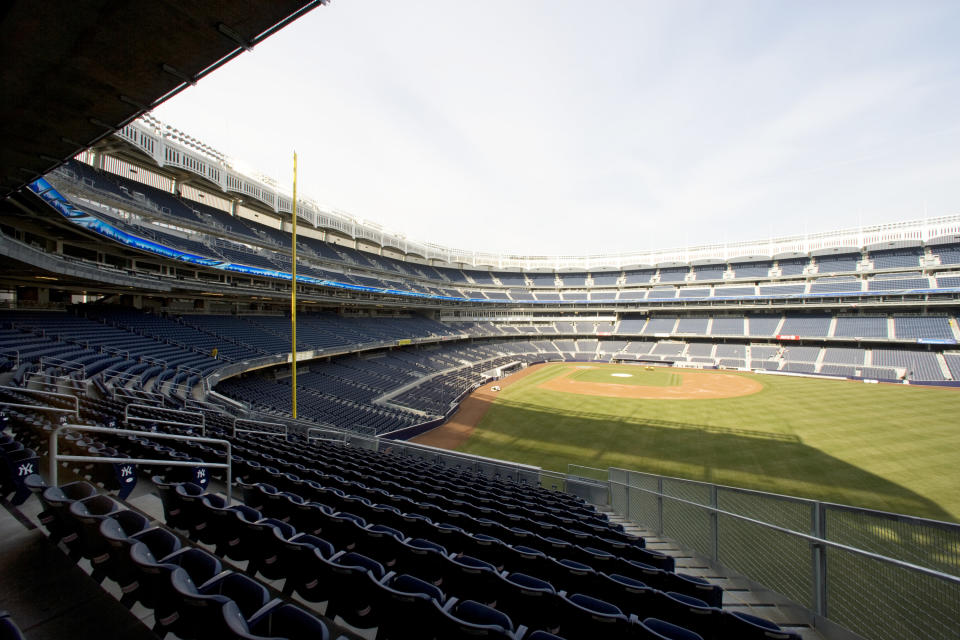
x: 75, y: 71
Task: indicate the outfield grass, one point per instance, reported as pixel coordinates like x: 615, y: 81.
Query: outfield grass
x: 638, y: 376
x: 889, y: 447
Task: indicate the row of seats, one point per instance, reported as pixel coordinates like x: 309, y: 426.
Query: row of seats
x: 372, y: 573
x: 188, y: 589
x: 451, y: 519
x: 352, y: 461
x: 353, y: 469
x: 384, y: 466
x: 333, y: 464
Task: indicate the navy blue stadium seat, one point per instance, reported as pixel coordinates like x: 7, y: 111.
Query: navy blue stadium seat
x: 656, y: 629
x: 470, y: 578
x: 173, y: 513
x: 383, y: 543
x: 401, y: 604
x: 630, y: 595
x: 352, y: 595
x: 115, y: 535
x: 55, y: 517
x: 584, y: 617
x: 569, y: 575
x: 696, y: 587
x: 198, y: 612
x: 8, y: 628
x: 471, y: 619
x: 424, y: 558
x: 690, y: 613
x: 529, y: 600
x: 738, y: 625
x: 275, y: 620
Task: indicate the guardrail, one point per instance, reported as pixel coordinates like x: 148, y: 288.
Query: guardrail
x: 45, y: 380
x: 127, y: 418
x: 56, y: 457
x: 880, y: 575
x: 282, y: 429
x: 341, y: 435
x: 59, y: 363
x: 138, y: 395
x: 76, y: 401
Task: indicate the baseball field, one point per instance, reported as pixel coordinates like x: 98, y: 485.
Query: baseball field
x: 888, y: 447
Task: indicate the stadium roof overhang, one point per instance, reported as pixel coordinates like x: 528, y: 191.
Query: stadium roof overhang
x: 75, y: 72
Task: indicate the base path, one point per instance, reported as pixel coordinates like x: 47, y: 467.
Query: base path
x: 694, y: 385
x: 458, y: 428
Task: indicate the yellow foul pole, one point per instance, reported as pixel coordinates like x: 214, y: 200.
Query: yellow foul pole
x: 293, y: 292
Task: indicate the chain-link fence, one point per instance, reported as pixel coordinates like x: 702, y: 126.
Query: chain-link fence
x: 883, y: 576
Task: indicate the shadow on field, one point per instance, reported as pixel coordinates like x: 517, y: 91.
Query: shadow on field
x: 735, y: 457
x: 663, y: 424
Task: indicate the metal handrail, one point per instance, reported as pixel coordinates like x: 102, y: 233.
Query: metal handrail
x: 56, y: 458
x: 170, y: 423
x: 37, y: 407
x: 137, y: 394
x: 65, y: 364
x: 805, y: 536
x: 342, y: 434
x: 285, y: 429
x: 31, y: 377
x: 76, y: 401
x: 203, y: 417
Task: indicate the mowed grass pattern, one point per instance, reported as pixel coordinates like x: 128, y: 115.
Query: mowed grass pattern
x: 637, y: 375
x: 888, y: 447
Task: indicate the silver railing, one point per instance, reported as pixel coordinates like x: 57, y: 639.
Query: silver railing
x: 56, y: 458
x: 127, y: 418
x: 44, y: 394
x: 44, y: 380
x: 338, y: 435
x: 49, y: 362
x: 239, y: 423
x: 137, y: 395
x: 880, y: 575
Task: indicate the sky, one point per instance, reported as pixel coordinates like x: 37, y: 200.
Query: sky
x: 570, y: 128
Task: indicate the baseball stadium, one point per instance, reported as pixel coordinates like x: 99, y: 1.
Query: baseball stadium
x: 230, y: 411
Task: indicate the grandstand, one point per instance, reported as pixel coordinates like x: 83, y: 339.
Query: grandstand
x: 392, y: 336
x: 146, y: 284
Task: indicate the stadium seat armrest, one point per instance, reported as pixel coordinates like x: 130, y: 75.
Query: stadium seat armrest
x: 265, y: 610
x: 387, y: 577
x: 215, y: 579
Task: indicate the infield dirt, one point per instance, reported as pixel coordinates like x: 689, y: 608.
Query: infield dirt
x: 695, y: 385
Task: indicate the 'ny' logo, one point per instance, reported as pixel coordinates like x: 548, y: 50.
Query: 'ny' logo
x: 25, y: 469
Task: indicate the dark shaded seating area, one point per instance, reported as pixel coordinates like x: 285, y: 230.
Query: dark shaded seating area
x: 400, y: 547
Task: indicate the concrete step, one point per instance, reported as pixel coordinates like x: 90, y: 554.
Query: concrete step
x: 51, y: 598
x: 739, y: 594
